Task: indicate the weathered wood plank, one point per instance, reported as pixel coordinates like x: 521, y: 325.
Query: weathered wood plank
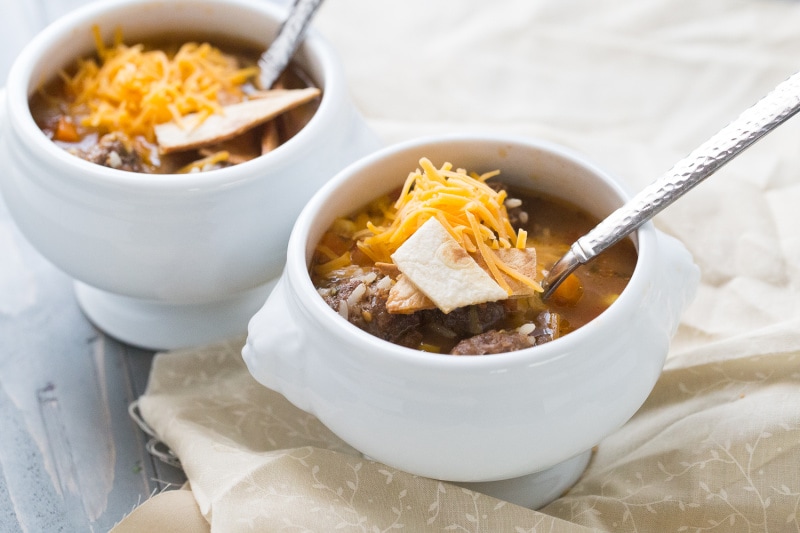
x: 71, y: 458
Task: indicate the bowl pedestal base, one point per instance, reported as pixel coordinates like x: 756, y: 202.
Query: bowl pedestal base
x: 538, y: 489
x: 156, y: 325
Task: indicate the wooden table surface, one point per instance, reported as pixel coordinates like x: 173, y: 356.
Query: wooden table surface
x: 71, y: 458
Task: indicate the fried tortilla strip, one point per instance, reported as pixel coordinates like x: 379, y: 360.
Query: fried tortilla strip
x: 523, y: 261
x: 270, y: 137
x: 435, y: 262
x: 388, y: 269
x: 241, y: 148
x: 194, y: 132
x: 406, y: 298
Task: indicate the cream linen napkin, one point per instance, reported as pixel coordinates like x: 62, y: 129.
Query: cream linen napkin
x: 257, y: 463
x: 715, y: 448
x: 635, y: 85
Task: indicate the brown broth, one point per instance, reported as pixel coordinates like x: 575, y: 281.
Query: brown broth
x: 51, y: 102
x: 552, y: 226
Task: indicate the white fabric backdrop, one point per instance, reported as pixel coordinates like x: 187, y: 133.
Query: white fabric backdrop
x: 636, y: 86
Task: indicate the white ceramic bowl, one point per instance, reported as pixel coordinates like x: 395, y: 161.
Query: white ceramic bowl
x: 530, y: 416
x: 169, y: 260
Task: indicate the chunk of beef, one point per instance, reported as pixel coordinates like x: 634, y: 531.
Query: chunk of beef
x: 492, y: 342
x: 114, y: 150
x: 368, y: 310
x: 399, y: 329
x: 545, y: 328
x: 470, y: 320
x: 360, y: 294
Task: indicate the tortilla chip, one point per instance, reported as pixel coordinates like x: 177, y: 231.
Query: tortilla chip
x: 270, y: 138
x: 406, y: 298
x: 388, y: 269
x: 194, y: 132
x: 241, y: 148
x: 523, y: 260
x: 435, y: 262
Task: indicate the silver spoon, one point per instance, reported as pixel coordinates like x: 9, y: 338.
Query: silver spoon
x: 755, y: 122
x: 277, y: 56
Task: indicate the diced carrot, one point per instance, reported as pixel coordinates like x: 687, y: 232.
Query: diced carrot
x: 66, y: 131
x: 569, y: 292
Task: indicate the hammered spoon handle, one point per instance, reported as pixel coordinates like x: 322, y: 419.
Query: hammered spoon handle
x: 275, y: 59
x: 755, y: 122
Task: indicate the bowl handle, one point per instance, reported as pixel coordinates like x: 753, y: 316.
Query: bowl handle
x: 678, y: 276
x: 274, y: 352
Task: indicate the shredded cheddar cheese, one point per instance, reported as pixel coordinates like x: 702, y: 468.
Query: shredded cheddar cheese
x: 473, y: 213
x: 132, y: 89
x: 342, y: 261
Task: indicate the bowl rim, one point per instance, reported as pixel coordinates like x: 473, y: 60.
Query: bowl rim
x: 314, y: 307
x: 330, y: 78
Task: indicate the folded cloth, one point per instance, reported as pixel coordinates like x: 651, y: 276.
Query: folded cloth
x: 715, y: 445
x: 635, y: 86
x: 173, y: 511
x: 257, y: 463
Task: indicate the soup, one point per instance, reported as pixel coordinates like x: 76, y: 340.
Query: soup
x: 142, y: 108
x: 352, y: 274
